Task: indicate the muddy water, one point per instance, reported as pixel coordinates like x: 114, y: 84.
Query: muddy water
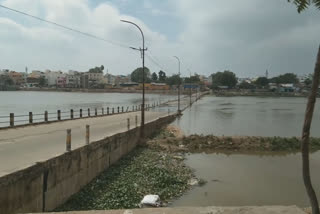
x: 250, y: 179
x: 253, y: 116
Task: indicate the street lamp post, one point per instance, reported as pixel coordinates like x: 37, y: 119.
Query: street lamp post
x: 143, y: 80
x: 179, y: 111
x: 190, y: 91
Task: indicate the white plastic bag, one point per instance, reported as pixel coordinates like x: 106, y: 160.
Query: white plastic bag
x: 151, y: 200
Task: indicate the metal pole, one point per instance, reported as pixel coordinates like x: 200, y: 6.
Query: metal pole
x: 190, y: 90
x: 11, y: 119
x: 143, y: 80
x: 128, y: 123
x: 179, y: 111
x: 46, y: 116
x: 87, y: 134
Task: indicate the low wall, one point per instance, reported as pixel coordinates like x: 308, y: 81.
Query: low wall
x: 46, y: 185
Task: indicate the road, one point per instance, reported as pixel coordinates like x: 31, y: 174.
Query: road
x: 24, y: 146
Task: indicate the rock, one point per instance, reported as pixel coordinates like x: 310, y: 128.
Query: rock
x: 178, y: 157
x: 150, y: 201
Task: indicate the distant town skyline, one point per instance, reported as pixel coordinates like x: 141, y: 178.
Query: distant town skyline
x: 209, y: 36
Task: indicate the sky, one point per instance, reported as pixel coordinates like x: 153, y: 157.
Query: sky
x: 247, y: 37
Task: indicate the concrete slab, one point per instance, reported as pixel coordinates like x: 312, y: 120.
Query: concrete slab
x: 200, y: 210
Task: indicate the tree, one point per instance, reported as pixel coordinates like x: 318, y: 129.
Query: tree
x: 174, y: 80
x: 288, y: 78
x: 226, y: 78
x: 307, y: 82
x: 137, y: 75
x: 304, y: 4
x: 246, y: 85
x: 193, y: 79
x: 301, y: 5
x: 262, y: 82
x: 42, y: 82
x: 162, y: 76
x: 97, y: 69
x: 154, y: 76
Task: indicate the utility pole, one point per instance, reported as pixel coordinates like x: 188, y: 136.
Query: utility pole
x: 179, y: 111
x: 190, y: 92
x: 143, y: 79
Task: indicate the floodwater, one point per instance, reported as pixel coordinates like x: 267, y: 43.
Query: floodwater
x: 250, y: 179
x: 253, y: 116
x: 23, y: 102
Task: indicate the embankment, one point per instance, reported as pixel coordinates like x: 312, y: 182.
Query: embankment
x: 46, y: 185
x: 210, y: 143
x: 107, y: 90
x: 232, y: 93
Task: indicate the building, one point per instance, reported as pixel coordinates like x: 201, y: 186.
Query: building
x: 52, y: 77
x: 62, y: 81
x: 16, y: 77
x: 121, y: 79
x: 84, y: 80
x: 73, y: 79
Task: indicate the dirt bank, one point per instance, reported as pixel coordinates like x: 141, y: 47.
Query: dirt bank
x: 172, y: 142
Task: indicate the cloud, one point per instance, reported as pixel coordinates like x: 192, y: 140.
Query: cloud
x: 246, y: 36
x: 249, y: 36
x: 57, y: 48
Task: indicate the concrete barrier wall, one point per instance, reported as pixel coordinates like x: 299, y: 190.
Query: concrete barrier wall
x: 46, y: 185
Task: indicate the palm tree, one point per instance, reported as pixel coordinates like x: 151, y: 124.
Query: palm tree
x: 302, y: 5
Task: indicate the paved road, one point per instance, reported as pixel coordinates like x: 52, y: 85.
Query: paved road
x: 200, y: 210
x: 24, y: 146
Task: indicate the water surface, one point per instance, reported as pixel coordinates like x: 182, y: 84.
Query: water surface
x: 250, y: 179
x: 254, y: 116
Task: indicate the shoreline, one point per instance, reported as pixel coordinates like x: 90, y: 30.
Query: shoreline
x: 117, y: 90
x: 159, y: 168
x: 258, y: 94
x: 232, y: 144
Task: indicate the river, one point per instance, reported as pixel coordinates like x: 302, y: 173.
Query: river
x: 249, y: 178
x: 23, y: 102
x: 253, y: 116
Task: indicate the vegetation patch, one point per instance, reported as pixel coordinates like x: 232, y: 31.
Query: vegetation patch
x: 210, y: 143
x: 144, y: 171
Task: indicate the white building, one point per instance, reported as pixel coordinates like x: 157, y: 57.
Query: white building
x: 53, y: 76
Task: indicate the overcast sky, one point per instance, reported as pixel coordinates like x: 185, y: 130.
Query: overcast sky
x: 246, y: 37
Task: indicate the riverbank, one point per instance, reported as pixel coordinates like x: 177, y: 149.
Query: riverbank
x: 258, y: 94
x: 210, y: 143
x: 107, y: 90
x: 144, y: 171
x: 159, y: 168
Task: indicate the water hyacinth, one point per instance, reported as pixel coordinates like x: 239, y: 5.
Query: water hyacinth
x: 144, y: 171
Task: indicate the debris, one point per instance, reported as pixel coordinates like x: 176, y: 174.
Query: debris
x: 178, y: 157
x: 150, y: 200
x: 193, y: 182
